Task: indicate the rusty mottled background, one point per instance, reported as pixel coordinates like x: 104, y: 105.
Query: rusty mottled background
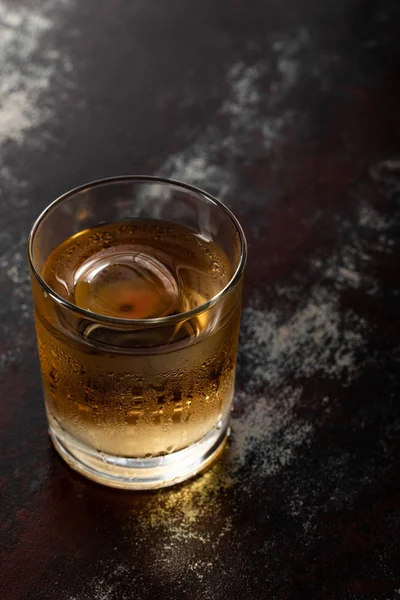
x: 290, y: 112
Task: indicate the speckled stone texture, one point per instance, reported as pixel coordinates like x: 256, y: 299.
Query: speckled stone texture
x: 289, y: 112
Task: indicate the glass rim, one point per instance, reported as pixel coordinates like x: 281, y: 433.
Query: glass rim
x: 157, y: 321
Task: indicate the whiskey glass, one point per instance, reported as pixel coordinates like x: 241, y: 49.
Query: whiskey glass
x: 137, y: 286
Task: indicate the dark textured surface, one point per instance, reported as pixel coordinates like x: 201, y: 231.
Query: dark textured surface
x: 288, y: 111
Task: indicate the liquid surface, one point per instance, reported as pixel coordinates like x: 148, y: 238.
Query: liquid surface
x: 137, y: 269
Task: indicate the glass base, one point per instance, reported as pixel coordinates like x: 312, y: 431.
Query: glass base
x: 143, y: 473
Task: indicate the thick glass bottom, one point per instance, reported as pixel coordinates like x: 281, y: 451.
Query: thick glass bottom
x: 143, y: 473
